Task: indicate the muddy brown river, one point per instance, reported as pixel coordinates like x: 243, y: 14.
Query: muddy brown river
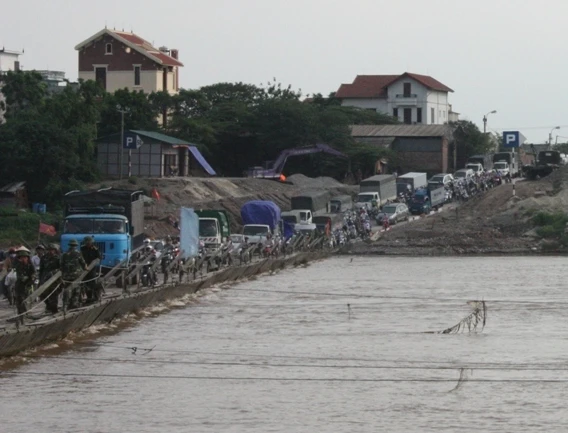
x: 342, y: 345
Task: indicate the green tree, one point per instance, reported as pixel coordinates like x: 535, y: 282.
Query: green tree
x: 469, y: 140
x: 140, y: 112
x: 48, y: 142
x: 22, y: 90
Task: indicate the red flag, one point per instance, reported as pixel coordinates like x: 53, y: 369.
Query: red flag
x: 46, y: 229
x: 156, y: 194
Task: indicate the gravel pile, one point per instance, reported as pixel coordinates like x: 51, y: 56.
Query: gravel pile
x: 305, y: 182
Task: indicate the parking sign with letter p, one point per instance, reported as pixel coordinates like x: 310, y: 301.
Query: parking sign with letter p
x: 512, y: 139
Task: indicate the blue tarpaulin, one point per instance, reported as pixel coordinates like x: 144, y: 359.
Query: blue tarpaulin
x: 197, y: 154
x: 261, y: 212
x: 189, y: 233
x: 288, y: 229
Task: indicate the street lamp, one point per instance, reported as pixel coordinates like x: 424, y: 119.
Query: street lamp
x: 485, y: 120
x: 121, y: 111
x: 550, y: 135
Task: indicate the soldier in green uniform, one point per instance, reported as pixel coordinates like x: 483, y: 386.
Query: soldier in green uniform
x: 48, y: 267
x: 90, y: 252
x: 25, y: 272
x: 72, y: 264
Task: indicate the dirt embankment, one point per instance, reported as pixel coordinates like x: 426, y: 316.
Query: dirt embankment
x: 218, y: 193
x: 497, y: 222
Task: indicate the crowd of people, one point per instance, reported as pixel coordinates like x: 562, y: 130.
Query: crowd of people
x: 25, y: 272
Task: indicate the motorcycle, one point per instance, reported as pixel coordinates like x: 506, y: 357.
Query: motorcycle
x: 166, y: 260
x: 147, y: 275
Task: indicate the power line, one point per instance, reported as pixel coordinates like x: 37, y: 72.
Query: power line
x: 276, y: 379
x: 314, y: 358
x: 344, y: 295
x: 520, y: 128
x: 323, y: 366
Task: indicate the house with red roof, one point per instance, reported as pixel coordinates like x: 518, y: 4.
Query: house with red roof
x: 118, y: 59
x: 411, y: 98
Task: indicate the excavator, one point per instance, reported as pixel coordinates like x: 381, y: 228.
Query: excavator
x: 274, y: 168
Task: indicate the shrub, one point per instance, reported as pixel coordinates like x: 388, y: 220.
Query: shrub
x: 550, y: 225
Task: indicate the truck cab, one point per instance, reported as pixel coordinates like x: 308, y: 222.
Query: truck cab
x: 298, y: 216
x: 114, y: 218
x: 476, y: 167
x: 502, y: 167
x: 110, y: 233
x: 256, y: 233
x: 366, y: 199
x: 213, y: 228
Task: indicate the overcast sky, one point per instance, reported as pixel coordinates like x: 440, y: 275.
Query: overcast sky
x: 504, y: 55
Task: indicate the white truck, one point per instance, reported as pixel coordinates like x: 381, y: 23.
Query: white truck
x: 380, y: 189
x: 475, y: 166
x: 298, y: 216
x: 260, y: 219
x: 410, y: 182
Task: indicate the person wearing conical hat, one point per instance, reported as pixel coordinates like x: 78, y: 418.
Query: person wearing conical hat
x: 25, y: 273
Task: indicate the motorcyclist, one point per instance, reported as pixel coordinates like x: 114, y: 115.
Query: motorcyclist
x: 268, y: 245
x: 386, y: 222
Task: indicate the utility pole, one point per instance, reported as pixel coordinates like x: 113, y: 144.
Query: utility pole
x: 550, y: 136
x: 121, y: 140
x: 485, y: 121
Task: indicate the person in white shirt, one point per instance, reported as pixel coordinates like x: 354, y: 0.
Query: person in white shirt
x: 36, y: 259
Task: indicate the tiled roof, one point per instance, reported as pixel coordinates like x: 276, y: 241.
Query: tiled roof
x: 429, y: 82
x: 137, y: 43
x: 401, y: 131
x: 366, y: 86
x: 375, y: 86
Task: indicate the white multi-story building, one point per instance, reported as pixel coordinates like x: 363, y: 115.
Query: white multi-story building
x: 9, y: 61
x: 411, y: 98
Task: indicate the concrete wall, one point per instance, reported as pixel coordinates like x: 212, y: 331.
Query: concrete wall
x: 438, y: 101
x: 13, y: 342
x: 428, y: 155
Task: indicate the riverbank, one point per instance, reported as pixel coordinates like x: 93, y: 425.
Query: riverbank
x: 218, y: 193
x: 499, y: 222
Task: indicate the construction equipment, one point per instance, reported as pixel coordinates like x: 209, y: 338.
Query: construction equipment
x: 273, y: 169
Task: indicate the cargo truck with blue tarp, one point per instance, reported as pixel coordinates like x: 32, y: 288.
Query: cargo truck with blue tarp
x: 260, y: 218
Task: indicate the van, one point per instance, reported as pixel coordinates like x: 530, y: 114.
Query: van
x: 465, y: 174
x: 441, y: 179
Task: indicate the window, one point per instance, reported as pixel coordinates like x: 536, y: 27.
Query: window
x: 108, y: 49
x: 407, y: 90
x: 419, y: 115
x: 432, y: 115
x: 408, y: 116
x: 395, y: 112
x: 136, y: 75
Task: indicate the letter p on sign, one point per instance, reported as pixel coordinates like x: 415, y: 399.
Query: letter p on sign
x: 511, y: 139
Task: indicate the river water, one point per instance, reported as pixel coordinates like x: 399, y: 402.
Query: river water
x: 339, y: 346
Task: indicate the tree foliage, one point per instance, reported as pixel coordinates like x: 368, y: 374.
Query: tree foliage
x: 470, y: 139
x: 49, y: 140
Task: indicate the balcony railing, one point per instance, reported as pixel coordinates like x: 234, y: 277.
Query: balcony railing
x: 407, y: 95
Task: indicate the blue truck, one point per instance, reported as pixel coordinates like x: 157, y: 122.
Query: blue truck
x: 114, y: 218
x: 426, y: 199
